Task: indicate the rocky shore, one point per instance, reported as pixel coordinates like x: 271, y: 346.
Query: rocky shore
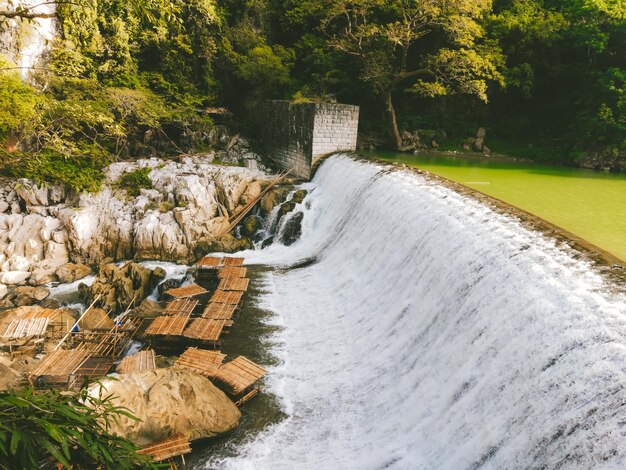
x: 180, y: 217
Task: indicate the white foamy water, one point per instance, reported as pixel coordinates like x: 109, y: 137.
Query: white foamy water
x: 427, y: 331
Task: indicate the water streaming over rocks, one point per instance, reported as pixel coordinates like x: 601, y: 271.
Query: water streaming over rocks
x: 420, y: 329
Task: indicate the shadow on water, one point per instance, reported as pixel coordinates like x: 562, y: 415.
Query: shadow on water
x: 250, y: 336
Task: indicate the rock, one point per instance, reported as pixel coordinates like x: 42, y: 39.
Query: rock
x: 168, y: 402
x: 286, y: 208
x: 252, y: 191
x: 9, y: 377
x: 479, y: 140
x: 292, y: 229
x: 230, y: 244
x: 250, y: 226
x: 299, y: 195
x: 14, y: 277
x: 28, y: 295
x: 147, y: 309
x: 71, y: 272
x: 273, y: 198
x: 117, y: 286
x: 3, y: 291
x: 95, y: 318
x: 169, y: 284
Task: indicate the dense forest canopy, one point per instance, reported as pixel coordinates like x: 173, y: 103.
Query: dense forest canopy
x: 548, y: 76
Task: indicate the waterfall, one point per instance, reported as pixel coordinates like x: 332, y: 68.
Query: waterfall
x: 27, y: 42
x: 418, y: 328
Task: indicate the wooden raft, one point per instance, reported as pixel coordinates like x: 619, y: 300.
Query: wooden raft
x: 108, y: 341
x: 26, y: 328
x: 168, y: 325
x: 215, y: 311
x: 138, y: 362
x: 191, y: 290
x: 234, y: 284
x: 59, y: 367
x: 226, y: 297
x: 180, y: 307
x: 94, y: 367
x: 203, y: 361
x: 210, y: 262
x: 233, y: 262
x: 207, y: 330
x: 168, y: 448
x: 239, y: 374
x: 233, y: 271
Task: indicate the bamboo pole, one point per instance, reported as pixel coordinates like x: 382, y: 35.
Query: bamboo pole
x: 77, y: 322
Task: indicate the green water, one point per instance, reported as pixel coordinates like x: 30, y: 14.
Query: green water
x: 590, y: 204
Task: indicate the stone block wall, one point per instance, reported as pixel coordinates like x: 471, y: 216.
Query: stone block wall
x: 294, y: 136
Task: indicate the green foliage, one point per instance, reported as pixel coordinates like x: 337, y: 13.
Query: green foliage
x: 62, y: 428
x: 136, y: 180
x: 19, y: 102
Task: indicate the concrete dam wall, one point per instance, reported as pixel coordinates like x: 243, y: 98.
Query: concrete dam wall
x: 295, y: 135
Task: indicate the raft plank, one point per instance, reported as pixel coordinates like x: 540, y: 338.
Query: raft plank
x: 61, y: 363
x: 26, y: 328
x: 226, y: 297
x: 138, y: 362
x: 187, y: 291
x: 168, y: 325
x: 231, y: 262
x: 180, y: 307
x: 206, y: 329
x: 239, y: 374
x: 216, y: 311
x: 95, y: 367
x: 232, y: 272
x: 166, y: 449
x: 234, y: 284
x: 209, y: 262
x: 203, y: 361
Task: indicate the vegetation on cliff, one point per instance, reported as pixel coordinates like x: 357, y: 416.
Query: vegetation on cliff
x: 131, y: 78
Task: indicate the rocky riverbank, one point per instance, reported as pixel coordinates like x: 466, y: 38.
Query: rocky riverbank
x: 177, y: 219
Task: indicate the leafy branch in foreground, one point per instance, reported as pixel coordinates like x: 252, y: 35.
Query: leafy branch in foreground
x: 44, y: 429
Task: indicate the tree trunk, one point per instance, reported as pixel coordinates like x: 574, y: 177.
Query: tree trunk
x: 395, y: 133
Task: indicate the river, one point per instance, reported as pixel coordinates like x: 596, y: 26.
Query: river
x: 415, y: 327
x: 590, y: 204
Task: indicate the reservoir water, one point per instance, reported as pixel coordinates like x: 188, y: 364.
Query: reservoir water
x: 413, y: 327
x: 590, y: 204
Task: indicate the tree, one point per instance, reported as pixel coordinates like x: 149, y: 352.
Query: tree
x: 71, y: 430
x: 387, y: 38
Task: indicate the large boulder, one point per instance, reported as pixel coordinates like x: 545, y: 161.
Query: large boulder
x: 71, y: 272
x: 274, y: 197
x: 27, y: 295
x: 168, y: 402
x: 95, y: 318
x: 117, y: 287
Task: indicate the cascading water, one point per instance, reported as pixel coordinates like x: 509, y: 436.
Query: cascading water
x: 420, y: 329
x: 27, y: 42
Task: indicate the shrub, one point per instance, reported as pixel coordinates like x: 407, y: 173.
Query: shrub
x: 134, y: 181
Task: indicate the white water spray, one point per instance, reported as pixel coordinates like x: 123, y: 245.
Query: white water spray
x: 428, y: 331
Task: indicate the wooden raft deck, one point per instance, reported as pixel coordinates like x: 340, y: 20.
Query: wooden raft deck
x: 239, y: 375
x: 108, y: 341
x: 26, y: 328
x: 234, y: 284
x: 226, y: 297
x: 180, y: 307
x: 185, y: 292
x: 236, y: 272
x: 214, y: 311
x: 138, y: 362
x: 168, y: 448
x: 168, y: 325
x: 207, y: 331
x: 233, y: 262
x: 60, y: 368
x: 210, y: 262
x: 203, y: 361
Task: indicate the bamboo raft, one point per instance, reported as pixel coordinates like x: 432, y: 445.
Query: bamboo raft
x: 203, y: 361
x: 238, y: 284
x: 215, y: 311
x: 226, y: 297
x: 175, y: 446
x: 180, y: 307
x: 186, y: 291
x: 232, y: 272
x: 239, y: 376
x: 138, y: 362
x: 208, y: 332
x: 168, y: 325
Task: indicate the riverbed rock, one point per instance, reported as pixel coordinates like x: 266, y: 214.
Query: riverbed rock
x: 115, y: 287
x: 95, y: 318
x: 250, y: 226
x: 14, y: 277
x: 292, y: 229
x: 71, y: 272
x: 3, y: 291
x: 147, y: 309
x: 230, y: 244
x: 274, y: 197
x: 168, y: 402
x: 28, y: 295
